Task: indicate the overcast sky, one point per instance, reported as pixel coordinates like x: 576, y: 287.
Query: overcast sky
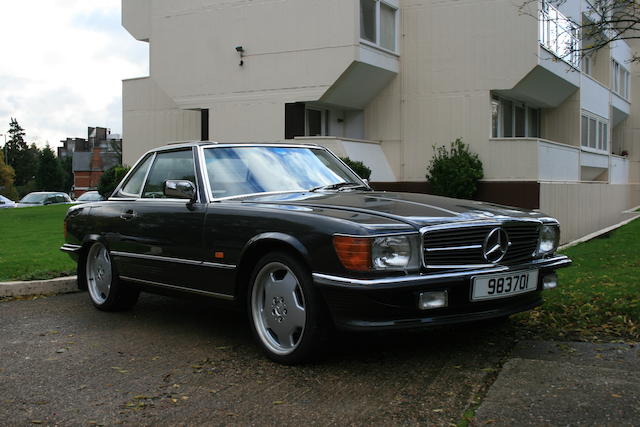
x: 62, y: 64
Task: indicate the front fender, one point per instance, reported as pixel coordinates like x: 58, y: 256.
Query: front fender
x: 277, y: 237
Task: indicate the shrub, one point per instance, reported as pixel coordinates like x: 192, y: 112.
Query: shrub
x: 358, y: 167
x: 455, y: 172
x: 110, y: 179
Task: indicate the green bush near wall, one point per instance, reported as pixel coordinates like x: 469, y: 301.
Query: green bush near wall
x: 455, y: 172
x: 358, y: 167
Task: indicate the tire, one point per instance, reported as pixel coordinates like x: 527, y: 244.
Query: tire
x: 286, y: 311
x: 107, y: 291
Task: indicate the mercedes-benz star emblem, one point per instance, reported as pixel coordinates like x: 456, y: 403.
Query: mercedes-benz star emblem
x: 495, y: 245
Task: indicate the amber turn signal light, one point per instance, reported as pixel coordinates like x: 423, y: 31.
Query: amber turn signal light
x: 354, y: 252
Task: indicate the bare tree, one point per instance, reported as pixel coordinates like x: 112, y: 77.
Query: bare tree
x: 605, y: 22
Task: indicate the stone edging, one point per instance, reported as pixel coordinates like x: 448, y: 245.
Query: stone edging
x: 60, y: 285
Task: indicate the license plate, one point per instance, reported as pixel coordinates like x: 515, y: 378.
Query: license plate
x: 503, y: 285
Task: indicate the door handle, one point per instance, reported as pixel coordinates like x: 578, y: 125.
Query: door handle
x: 130, y: 214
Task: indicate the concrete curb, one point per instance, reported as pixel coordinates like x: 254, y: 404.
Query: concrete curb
x: 61, y: 285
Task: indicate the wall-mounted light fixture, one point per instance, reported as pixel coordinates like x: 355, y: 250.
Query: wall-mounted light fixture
x: 240, y: 50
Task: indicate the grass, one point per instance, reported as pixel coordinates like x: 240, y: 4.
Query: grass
x: 598, y: 297
x: 29, y: 242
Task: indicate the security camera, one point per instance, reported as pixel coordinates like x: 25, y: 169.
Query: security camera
x: 239, y: 49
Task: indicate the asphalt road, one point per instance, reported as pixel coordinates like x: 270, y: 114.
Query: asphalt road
x: 172, y: 361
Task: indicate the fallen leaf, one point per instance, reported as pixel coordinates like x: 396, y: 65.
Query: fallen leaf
x: 617, y: 396
x: 278, y: 402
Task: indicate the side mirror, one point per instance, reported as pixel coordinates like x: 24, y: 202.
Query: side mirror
x: 179, y: 189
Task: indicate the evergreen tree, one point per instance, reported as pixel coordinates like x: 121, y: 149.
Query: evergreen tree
x: 66, y: 163
x: 6, y: 180
x: 50, y: 176
x: 15, y: 143
x: 20, y: 156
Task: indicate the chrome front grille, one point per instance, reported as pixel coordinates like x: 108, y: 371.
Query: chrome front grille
x: 461, y: 246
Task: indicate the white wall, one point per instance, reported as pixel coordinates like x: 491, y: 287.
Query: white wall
x: 558, y: 162
x: 585, y: 208
x: 152, y: 119
x: 294, y: 49
x: 619, y: 170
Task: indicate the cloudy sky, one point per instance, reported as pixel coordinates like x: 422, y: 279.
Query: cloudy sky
x: 62, y: 65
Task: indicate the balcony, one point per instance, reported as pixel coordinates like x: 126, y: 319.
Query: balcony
x: 556, y: 76
x: 535, y: 159
x: 376, y: 61
x: 368, y: 152
x: 136, y: 18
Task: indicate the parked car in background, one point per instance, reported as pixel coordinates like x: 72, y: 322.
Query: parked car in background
x: 6, y: 203
x: 293, y: 235
x: 89, y: 196
x: 42, y: 198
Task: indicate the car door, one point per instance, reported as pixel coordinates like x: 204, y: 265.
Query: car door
x: 163, y: 236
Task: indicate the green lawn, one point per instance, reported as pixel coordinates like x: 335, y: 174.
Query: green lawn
x: 29, y: 242
x: 598, y: 297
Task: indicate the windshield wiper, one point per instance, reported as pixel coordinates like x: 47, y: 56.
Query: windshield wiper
x: 339, y: 186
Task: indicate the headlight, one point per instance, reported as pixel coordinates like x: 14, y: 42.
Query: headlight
x: 379, y: 253
x: 549, y: 237
x: 391, y: 252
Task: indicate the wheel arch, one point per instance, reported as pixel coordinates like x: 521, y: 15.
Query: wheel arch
x: 261, y: 245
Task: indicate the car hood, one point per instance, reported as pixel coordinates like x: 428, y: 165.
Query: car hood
x: 415, y: 209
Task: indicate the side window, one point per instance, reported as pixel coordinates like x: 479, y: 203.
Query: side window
x: 134, y: 184
x: 170, y: 165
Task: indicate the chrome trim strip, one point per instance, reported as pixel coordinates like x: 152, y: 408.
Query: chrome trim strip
x: 68, y: 247
x: 180, y: 288
x: 176, y: 260
x: 373, y: 236
x: 204, y: 174
x: 326, y: 279
x: 460, y: 266
x: 464, y: 224
x: 265, y: 193
x: 453, y: 248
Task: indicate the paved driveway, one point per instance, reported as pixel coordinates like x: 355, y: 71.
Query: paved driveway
x: 171, y: 361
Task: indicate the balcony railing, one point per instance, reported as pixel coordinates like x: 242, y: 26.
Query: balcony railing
x: 558, y: 34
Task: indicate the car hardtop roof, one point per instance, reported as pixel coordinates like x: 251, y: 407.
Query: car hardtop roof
x: 187, y: 144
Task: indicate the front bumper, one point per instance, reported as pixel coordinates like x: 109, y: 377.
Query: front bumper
x: 392, y: 302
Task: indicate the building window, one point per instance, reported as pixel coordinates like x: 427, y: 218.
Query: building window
x: 315, y: 123
x: 619, y: 79
x: 595, y: 132
x: 558, y: 34
x: 513, y: 119
x: 379, y: 23
x: 303, y: 120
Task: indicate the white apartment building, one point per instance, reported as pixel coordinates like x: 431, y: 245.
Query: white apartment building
x: 383, y: 81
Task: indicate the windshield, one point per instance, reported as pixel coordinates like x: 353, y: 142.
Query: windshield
x: 90, y: 197
x: 34, y: 198
x: 235, y: 171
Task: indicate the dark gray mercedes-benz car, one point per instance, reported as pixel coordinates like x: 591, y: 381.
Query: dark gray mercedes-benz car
x: 295, y: 236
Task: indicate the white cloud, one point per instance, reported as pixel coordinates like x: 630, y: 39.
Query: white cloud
x: 62, y: 66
